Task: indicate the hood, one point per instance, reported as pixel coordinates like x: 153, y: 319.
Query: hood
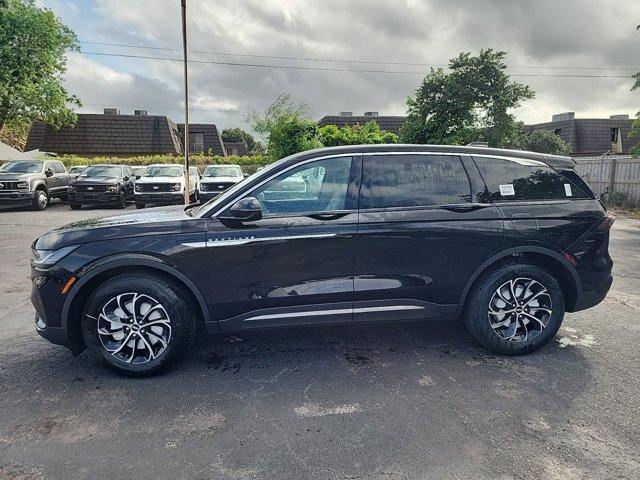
x: 153, y: 221
x: 18, y: 176
x: 220, y: 179
x: 160, y: 180
x: 97, y: 180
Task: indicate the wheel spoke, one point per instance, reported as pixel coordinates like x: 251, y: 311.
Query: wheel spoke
x: 537, y: 295
x: 124, y: 342
x: 533, y: 317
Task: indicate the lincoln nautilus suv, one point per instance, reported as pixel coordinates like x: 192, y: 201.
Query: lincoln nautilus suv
x: 507, y: 241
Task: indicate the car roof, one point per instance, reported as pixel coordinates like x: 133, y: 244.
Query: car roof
x: 223, y: 165
x: 553, y: 160
x: 166, y: 165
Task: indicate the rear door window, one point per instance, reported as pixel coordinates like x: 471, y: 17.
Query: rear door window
x: 522, y: 179
x: 414, y: 181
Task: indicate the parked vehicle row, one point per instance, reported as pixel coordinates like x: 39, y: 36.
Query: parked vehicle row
x: 36, y: 182
x: 507, y: 240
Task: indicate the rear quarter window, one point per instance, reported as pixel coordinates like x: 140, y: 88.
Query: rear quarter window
x: 521, y: 179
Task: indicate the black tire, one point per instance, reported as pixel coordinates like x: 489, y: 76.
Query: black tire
x: 139, y: 205
x: 176, y: 303
x: 122, y: 201
x: 75, y: 206
x: 40, y: 200
x: 477, y: 316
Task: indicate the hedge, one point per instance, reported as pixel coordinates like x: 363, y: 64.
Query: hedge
x: 248, y: 163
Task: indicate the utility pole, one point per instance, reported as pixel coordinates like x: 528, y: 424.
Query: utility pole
x: 187, y: 201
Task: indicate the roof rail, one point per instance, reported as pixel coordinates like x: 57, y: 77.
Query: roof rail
x: 478, y: 144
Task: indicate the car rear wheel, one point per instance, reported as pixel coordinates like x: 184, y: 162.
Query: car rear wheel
x: 515, y: 309
x: 40, y: 200
x: 139, y: 205
x: 138, y: 323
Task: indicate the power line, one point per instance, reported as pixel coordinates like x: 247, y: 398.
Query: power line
x: 330, y: 69
x: 336, y: 60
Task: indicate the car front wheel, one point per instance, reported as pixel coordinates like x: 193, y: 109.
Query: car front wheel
x: 138, y: 323
x: 515, y: 309
x: 122, y: 201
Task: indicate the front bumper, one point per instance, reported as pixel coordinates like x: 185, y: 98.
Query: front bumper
x: 207, y: 195
x: 94, y: 198
x: 16, y: 198
x: 592, y: 298
x: 161, y: 197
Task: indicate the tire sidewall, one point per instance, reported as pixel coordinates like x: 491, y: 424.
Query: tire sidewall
x: 36, y: 201
x: 179, y: 310
x: 477, y: 319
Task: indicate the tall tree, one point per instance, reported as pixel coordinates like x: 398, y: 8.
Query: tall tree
x: 33, y: 47
x: 470, y: 102
x: 239, y: 135
x: 287, y: 127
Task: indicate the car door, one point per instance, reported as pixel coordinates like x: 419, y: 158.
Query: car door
x: 422, y: 233
x: 295, y: 265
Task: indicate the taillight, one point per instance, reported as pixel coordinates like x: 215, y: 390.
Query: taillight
x: 606, y: 223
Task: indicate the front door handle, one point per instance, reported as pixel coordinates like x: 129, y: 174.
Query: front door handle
x: 327, y: 215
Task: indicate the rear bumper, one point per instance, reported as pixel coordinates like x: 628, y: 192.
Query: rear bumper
x: 593, y: 297
x: 16, y: 198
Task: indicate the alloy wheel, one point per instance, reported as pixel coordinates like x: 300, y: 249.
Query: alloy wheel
x: 134, y: 328
x: 520, y: 309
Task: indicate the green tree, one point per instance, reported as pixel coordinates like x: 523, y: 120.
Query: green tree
x: 286, y: 126
x: 542, y: 141
x: 470, y: 102
x: 370, y: 132
x: 33, y: 47
x: 239, y: 135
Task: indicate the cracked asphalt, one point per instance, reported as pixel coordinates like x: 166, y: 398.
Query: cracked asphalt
x: 410, y: 401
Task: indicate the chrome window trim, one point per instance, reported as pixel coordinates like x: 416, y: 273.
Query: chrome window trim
x: 373, y: 154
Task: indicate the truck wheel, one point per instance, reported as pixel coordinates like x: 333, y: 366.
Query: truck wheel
x: 139, y: 323
x: 40, y: 200
x: 122, y: 201
x: 515, y: 309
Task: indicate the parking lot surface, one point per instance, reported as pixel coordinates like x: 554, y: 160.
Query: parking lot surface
x: 410, y: 401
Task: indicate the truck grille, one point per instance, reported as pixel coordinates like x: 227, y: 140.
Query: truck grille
x: 215, y: 187
x: 91, y: 188
x: 155, y: 187
x: 8, y: 186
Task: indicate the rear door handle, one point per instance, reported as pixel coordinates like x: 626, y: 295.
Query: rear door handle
x: 468, y: 207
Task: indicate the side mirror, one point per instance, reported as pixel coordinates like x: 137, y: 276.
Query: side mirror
x: 247, y: 209
x: 138, y: 177
x: 48, y: 172
x: 126, y: 179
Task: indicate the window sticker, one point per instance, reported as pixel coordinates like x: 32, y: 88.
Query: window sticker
x: 567, y: 190
x: 507, y: 190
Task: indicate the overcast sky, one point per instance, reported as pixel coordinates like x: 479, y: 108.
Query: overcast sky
x: 542, y: 33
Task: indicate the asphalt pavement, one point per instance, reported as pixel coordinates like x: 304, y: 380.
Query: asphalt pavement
x: 406, y: 401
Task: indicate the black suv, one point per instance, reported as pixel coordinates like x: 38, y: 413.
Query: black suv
x: 32, y: 182
x: 102, y: 184
x: 507, y: 240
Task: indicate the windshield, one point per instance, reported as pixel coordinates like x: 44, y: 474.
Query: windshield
x: 21, y: 167
x: 163, y: 171
x: 222, y: 171
x: 138, y: 170
x: 76, y: 169
x: 102, y: 171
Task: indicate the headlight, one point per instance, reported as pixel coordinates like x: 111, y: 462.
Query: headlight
x: 112, y: 188
x: 138, y: 187
x: 48, y: 258
x: 177, y: 187
x: 23, y: 185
